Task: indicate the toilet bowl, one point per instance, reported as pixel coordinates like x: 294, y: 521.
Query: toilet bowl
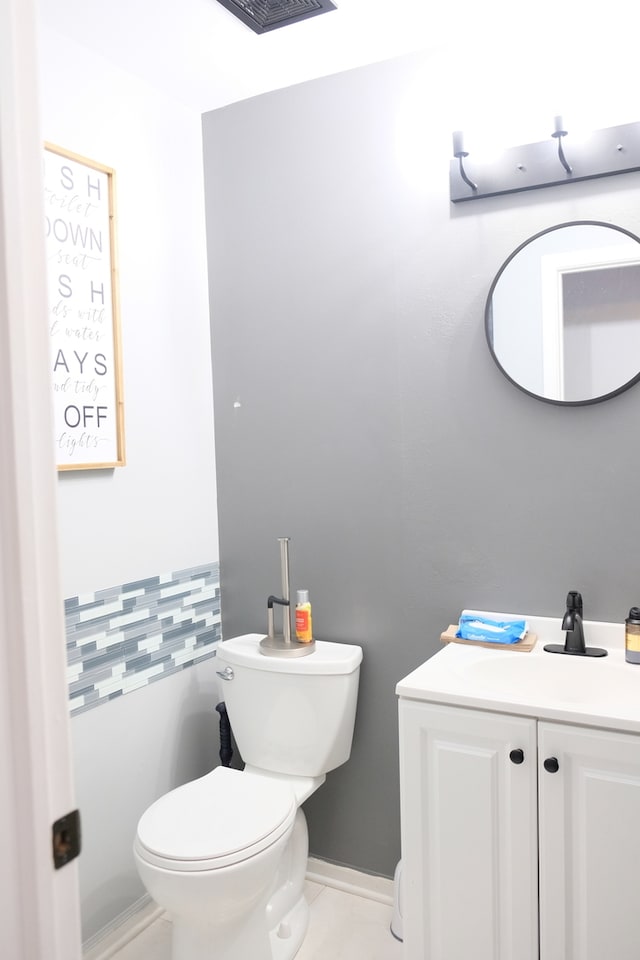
x: 225, y: 855
x: 208, y: 852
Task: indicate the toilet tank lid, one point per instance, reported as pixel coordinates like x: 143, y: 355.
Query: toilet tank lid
x: 327, y: 658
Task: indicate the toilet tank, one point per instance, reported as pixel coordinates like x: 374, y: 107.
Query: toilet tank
x: 292, y: 716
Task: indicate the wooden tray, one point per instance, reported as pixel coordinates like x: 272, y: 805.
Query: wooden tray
x: 525, y: 645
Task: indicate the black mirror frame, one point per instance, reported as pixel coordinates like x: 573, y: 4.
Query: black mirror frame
x: 488, y: 315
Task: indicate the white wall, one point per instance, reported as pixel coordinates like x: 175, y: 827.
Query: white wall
x: 158, y: 513
x: 128, y: 753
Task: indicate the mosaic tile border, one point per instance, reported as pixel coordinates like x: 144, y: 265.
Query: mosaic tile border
x: 124, y: 637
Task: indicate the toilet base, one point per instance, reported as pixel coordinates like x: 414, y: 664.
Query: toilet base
x: 288, y: 910
x: 201, y: 942
x: 286, y: 939
x: 281, y: 943
x: 213, y: 920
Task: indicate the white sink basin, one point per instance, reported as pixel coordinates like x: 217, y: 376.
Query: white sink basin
x: 555, y: 677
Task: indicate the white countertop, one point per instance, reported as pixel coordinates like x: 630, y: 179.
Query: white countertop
x: 592, y: 691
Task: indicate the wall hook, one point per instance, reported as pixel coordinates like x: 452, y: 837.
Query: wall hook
x: 558, y: 134
x: 459, y: 152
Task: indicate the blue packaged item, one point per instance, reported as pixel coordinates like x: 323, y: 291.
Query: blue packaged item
x: 475, y: 627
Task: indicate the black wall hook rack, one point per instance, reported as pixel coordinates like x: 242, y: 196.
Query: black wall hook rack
x: 604, y: 153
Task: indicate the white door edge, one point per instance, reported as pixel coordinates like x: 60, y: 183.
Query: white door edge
x: 40, y: 905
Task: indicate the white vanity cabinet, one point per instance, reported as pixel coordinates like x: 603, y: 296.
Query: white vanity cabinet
x: 506, y: 859
x: 589, y: 842
x: 469, y: 834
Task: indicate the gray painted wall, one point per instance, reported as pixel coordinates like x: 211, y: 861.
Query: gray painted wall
x: 373, y: 427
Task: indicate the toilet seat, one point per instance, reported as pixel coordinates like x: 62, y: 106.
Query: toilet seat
x: 220, y: 819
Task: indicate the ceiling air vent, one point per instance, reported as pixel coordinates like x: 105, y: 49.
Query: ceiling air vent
x: 263, y: 15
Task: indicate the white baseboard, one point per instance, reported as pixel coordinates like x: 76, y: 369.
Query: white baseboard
x: 122, y: 930
x: 351, y: 881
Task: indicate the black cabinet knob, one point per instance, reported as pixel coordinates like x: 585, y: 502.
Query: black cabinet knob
x: 551, y: 765
x: 516, y: 756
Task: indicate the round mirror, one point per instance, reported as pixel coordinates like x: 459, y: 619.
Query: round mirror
x: 563, y: 313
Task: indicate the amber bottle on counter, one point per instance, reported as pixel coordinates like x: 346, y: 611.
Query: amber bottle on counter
x: 632, y: 636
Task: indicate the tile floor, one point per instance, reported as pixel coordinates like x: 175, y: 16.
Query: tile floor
x: 342, y: 926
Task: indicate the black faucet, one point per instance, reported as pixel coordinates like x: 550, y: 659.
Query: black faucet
x: 572, y: 623
x: 574, y: 637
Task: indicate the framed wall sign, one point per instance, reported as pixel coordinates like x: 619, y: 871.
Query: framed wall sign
x: 84, y: 323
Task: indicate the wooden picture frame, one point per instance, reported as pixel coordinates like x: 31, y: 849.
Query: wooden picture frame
x: 84, y: 316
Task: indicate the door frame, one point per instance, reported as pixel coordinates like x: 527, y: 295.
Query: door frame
x: 40, y: 905
x: 553, y: 268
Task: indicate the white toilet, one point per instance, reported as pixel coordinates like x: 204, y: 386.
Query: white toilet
x: 226, y: 854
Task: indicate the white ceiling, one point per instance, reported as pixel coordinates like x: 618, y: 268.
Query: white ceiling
x: 200, y: 53
x: 502, y: 66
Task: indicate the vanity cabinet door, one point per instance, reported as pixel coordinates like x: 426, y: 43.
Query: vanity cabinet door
x: 469, y: 834
x: 589, y: 843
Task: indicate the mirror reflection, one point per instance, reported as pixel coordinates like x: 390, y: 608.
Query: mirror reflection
x: 563, y: 314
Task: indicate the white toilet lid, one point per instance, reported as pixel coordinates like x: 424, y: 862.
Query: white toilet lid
x: 221, y: 818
